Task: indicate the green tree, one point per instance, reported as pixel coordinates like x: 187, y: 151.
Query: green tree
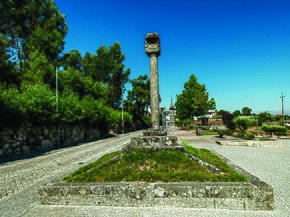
x: 8, y: 74
x: 246, y: 111
x: 221, y: 112
x: 33, y: 28
x: 111, y: 70
x: 138, y: 99
x: 264, y: 117
x: 228, y: 120
x: 193, y: 101
x: 243, y: 123
x: 73, y: 59
x: 89, y: 66
x: 237, y: 113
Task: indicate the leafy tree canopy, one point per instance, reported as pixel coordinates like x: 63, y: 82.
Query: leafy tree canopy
x: 237, y: 113
x: 221, y: 112
x: 243, y: 123
x: 33, y: 28
x: 194, y: 100
x: 246, y: 111
x: 138, y: 99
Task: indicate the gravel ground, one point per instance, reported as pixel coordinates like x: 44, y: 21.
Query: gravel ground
x: 19, y: 180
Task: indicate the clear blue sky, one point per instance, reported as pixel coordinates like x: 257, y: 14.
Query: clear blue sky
x: 240, y: 49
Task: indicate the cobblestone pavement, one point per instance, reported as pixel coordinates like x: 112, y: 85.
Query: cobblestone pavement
x: 20, y: 180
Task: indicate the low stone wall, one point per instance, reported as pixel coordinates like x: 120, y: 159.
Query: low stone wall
x: 252, y: 143
x: 24, y: 140
x: 255, y: 195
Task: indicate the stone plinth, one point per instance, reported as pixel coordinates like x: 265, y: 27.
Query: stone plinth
x: 155, y: 132
x: 154, y: 143
x: 155, y: 140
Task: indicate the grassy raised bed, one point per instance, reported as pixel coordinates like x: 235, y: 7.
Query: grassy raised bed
x: 161, y: 166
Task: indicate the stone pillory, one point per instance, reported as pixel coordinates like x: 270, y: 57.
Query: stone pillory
x: 152, y: 49
x: 156, y: 138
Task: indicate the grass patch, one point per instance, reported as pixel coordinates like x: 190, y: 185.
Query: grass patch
x: 204, y: 133
x: 161, y: 166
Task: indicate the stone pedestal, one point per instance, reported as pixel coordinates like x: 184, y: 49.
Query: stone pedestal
x: 155, y: 140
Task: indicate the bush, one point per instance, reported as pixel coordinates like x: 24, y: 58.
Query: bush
x: 208, y: 133
x: 270, y: 129
x: 33, y: 104
x: 243, y: 123
x: 249, y: 136
x: 228, y: 121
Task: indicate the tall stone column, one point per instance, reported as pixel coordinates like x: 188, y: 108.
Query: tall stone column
x: 152, y: 49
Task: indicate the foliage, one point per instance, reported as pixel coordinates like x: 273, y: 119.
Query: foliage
x: 7, y: 67
x: 249, y: 136
x: 246, y: 111
x: 270, y: 129
x: 138, y: 100
x: 205, y: 133
x: 110, y: 70
x: 193, y: 101
x: 228, y: 121
x: 73, y: 59
x: 32, y: 104
x: 221, y: 112
x: 32, y: 27
x: 264, y: 117
x: 90, y: 88
x: 237, y: 113
x: 243, y: 123
x: 161, y: 166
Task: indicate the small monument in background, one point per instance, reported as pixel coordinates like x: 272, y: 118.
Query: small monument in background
x: 171, y: 122
x: 155, y: 138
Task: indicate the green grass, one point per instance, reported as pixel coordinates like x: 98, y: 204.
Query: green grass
x: 161, y: 166
x: 209, y: 133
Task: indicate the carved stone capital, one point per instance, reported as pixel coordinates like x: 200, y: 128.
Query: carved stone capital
x: 152, y: 44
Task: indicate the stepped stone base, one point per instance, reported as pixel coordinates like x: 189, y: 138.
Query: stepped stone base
x: 255, y: 195
x: 154, y: 140
x: 154, y: 132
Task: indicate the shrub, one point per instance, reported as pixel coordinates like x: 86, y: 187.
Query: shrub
x: 243, y: 123
x: 208, y: 133
x: 249, y: 136
x: 228, y: 121
x: 270, y: 129
x: 31, y: 104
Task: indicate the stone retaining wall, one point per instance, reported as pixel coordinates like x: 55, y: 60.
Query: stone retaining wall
x: 24, y: 140
x: 252, y: 143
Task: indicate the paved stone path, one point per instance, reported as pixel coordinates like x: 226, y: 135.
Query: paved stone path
x: 20, y: 180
